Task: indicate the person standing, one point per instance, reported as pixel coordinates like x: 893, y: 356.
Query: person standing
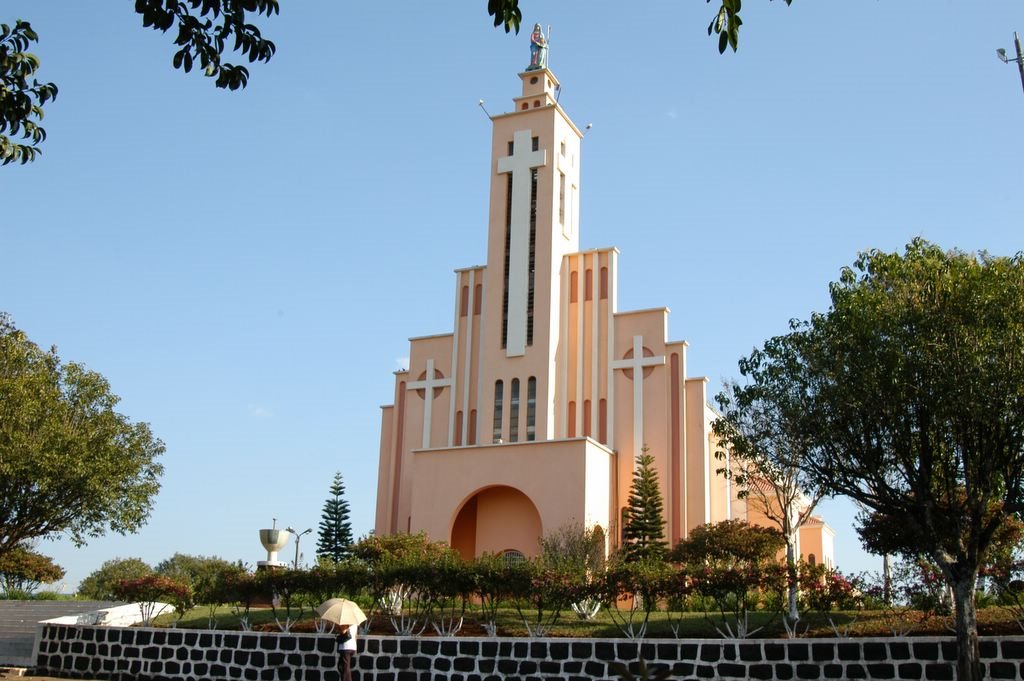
x: 346, y: 650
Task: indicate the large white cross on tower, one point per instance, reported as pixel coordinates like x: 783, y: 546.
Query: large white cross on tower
x: 637, y: 363
x: 428, y: 384
x: 520, y: 163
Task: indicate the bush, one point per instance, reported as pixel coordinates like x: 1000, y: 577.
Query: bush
x: 101, y: 585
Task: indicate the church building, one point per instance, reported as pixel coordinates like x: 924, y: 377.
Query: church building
x: 530, y: 415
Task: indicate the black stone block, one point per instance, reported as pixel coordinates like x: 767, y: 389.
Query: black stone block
x: 939, y: 672
x: 471, y: 648
x: 596, y: 670
x: 808, y: 671
x: 783, y: 671
x: 550, y: 668
x: 710, y: 652
x: 558, y: 651
x: 832, y: 671
x: 682, y: 669
x: 706, y: 671
x: 307, y: 644
x: 286, y: 643
x: 774, y: 652
x: 421, y: 662
x: 200, y: 669
x: 489, y: 648
x: 1013, y: 650
x: 604, y: 651
x: 90, y: 649
x: 988, y: 650
x: 856, y: 671
x: 899, y: 650
x: 77, y: 647
x: 582, y: 650
x: 507, y: 667
x: 218, y: 671
x: 731, y: 669
x: 910, y: 670
x: 949, y: 650
x: 410, y: 646
x: 527, y: 667
x: 797, y: 652
x: 761, y: 671
x: 324, y: 644
x: 486, y: 665
x: 882, y: 671
x: 823, y: 652
x: 401, y: 662
x: 750, y: 652
x: 627, y: 651
x: 568, y: 667
x: 442, y: 664
x: 151, y: 653
x: 1002, y: 670
x: 275, y: 659
x: 143, y: 637
x: 87, y: 633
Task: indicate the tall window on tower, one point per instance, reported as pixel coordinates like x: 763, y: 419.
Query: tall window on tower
x: 533, y: 248
x: 513, y: 412
x: 561, y: 197
x: 499, y: 397
x: 531, y: 409
x: 508, y: 249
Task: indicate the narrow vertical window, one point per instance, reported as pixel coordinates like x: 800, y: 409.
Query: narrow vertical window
x: 604, y: 283
x: 574, y: 286
x: 532, y: 253
x: 572, y: 420
x: 478, y: 293
x: 471, y: 436
x: 531, y: 409
x: 499, y: 396
x: 602, y: 421
x: 588, y: 285
x: 561, y: 198
x: 513, y: 412
x: 586, y: 418
x: 458, y: 428
x: 464, y: 303
x: 508, y: 249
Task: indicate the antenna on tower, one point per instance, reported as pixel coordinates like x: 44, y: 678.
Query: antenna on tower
x: 587, y: 129
x: 481, y: 105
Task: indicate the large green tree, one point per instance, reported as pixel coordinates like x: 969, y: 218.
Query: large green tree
x: 912, y: 387
x: 21, y: 96
x: 204, y: 28
x: 69, y: 463
x: 764, y: 453
x: 334, y: 540
x: 643, y: 527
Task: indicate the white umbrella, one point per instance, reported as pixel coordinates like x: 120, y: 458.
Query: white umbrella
x: 341, y: 611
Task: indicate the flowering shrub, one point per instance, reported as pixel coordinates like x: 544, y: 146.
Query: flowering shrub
x: 150, y: 590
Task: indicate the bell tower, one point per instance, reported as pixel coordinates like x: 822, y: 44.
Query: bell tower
x: 532, y: 224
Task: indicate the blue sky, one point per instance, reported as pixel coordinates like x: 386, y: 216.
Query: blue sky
x: 213, y: 254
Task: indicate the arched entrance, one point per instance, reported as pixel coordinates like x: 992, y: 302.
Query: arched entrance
x: 495, y: 520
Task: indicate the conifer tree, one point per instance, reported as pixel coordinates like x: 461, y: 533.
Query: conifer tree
x: 335, y: 537
x: 644, y: 524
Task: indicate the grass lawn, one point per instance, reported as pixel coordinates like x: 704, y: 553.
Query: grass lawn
x: 991, y: 621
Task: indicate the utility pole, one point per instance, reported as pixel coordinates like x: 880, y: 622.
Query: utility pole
x: 1001, y: 53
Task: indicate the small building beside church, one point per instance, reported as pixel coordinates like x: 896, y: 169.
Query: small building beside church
x: 530, y: 414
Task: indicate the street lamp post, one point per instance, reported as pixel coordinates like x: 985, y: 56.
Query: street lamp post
x: 1001, y: 53
x: 298, y: 538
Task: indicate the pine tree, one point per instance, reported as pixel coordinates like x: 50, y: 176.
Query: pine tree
x: 644, y: 525
x: 335, y: 538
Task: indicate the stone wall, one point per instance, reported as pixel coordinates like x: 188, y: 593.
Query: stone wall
x: 188, y: 655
